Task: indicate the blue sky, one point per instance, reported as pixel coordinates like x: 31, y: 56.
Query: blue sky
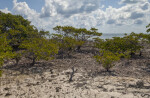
x: 113, y: 3
x: 34, y: 4
x: 38, y: 4
x: 109, y: 16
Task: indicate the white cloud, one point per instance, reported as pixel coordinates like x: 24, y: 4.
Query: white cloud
x: 135, y: 15
x: 139, y: 22
x: 145, y: 6
x: 68, y: 8
x: 49, y: 9
x: 87, y: 13
x: 5, y: 10
x: 131, y: 1
x: 111, y: 21
x: 23, y: 9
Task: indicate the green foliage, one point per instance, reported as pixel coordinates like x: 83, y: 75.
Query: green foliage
x: 147, y: 37
x: 57, y: 39
x: 17, y: 56
x: 5, y: 50
x: 84, y: 34
x: 64, y: 38
x: 107, y: 59
x: 148, y: 26
x: 23, y: 36
x: 75, y: 36
x: 68, y: 42
x: 120, y: 45
x: 143, y: 37
x: 78, y: 33
x: 79, y: 43
x: 37, y: 49
x: 17, y: 29
x: 114, y: 49
x: 43, y: 33
x: 65, y: 43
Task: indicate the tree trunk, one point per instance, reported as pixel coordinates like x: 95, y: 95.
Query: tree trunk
x: 107, y: 69
x: 132, y: 54
x: 140, y: 53
x: 17, y: 61
x: 33, y: 62
x: 71, y: 76
x: 78, y: 48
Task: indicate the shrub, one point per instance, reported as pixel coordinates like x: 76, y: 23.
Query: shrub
x: 148, y: 26
x: 39, y: 48
x: 16, y: 29
x: 107, y: 59
x: 126, y: 44
x: 5, y: 50
x: 79, y: 35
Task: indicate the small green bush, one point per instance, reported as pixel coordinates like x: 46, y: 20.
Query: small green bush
x: 5, y: 50
x: 37, y: 49
x: 107, y: 59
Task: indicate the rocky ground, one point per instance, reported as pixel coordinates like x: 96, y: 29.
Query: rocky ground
x: 128, y: 79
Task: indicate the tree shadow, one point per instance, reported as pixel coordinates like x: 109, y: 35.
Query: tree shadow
x: 135, y: 57
x: 103, y: 73
x: 65, y: 56
x: 26, y: 68
x: 87, y: 51
x: 147, y: 70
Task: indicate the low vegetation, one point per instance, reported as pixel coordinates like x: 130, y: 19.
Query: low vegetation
x: 18, y: 38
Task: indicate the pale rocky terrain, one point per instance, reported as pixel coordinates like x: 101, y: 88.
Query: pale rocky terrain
x: 50, y: 79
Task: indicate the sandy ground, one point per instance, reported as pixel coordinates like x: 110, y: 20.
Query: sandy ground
x: 128, y: 79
